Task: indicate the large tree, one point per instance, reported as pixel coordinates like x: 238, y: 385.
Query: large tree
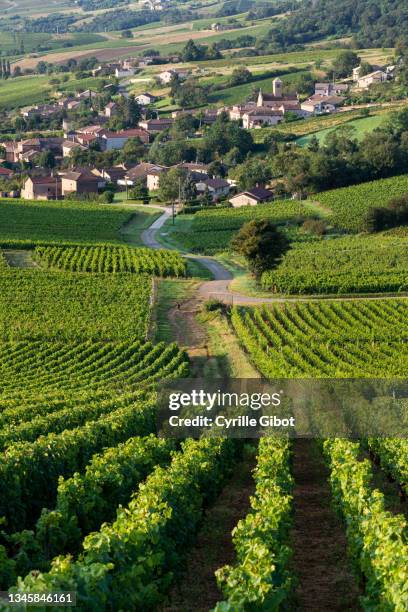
x: 262, y: 245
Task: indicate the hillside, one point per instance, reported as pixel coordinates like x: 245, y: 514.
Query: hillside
x: 372, y: 24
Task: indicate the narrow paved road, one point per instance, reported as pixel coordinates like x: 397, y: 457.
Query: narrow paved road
x: 219, y: 288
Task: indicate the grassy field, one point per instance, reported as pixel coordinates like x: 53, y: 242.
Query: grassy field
x: 360, y: 127
x: 23, y: 91
x: 28, y: 90
x: 35, y: 7
x: 325, y: 123
x: 238, y: 94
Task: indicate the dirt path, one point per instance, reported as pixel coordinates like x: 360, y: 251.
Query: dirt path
x: 19, y: 259
x: 197, y: 590
x: 320, y: 559
x: 219, y: 288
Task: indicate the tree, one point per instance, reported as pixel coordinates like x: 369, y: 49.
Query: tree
x: 188, y: 94
x: 171, y: 152
x: 313, y: 144
x: 132, y: 151
x: 140, y: 192
x: 217, y: 169
x: 183, y: 126
x: 224, y: 135
x: 175, y: 185
x: 126, y: 34
x: 344, y: 63
x: 262, y: 245
x: 254, y: 172
x: 365, y: 68
x: 240, y: 76
x: 42, y: 67
x: 46, y: 159
x: 207, y: 199
x: 191, y: 52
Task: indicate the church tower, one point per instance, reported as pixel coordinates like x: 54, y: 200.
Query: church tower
x: 260, y: 100
x: 277, y: 88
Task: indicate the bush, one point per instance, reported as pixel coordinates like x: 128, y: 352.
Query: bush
x: 214, y: 305
x: 106, y: 197
x: 314, y: 226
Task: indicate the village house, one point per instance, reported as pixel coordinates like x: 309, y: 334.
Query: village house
x: 144, y: 99
x: 143, y: 62
x: 121, y: 73
x: 153, y: 178
x: 218, y: 27
x: 261, y: 116
x: 111, y: 175
x: 138, y: 173
x: 278, y: 100
x: 68, y: 146
x: 6, y: 173
x: 117, y: 140
x: 218, y: 188
x: 379, y: 76
x: 268, y: 109
x: 166, y: 76
x: 156, y: 125
x: 111, y: 109
x: 40, y: 110
x: 26, y: 150
x: 88, y: 94
x: 42, y: 188
x: 195, y: 167
x: 318, y: 105
x: 331, y: 89
x: 94, y: 130
x: 252, y: 197
x: 81, y: 181
x: 86, y: 139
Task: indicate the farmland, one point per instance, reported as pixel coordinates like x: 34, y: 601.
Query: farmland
x: 211, y: 231
x: 35, y: 89
x: 349, y: 206
x: 101, y: 305
x: 360, y: 128
x: 369, y: 264
x: 52, y: 305
x: 111, y: 259
x: 336, y: 339
x: 32, y: 222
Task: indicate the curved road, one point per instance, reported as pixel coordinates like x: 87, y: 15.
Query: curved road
x: 219, y: 288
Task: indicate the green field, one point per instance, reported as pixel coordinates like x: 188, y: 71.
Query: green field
x: 29, y: 90
x: 360, y: 128
x: 111, y: 259
x: 337, y: 339
x: 34, y: 7
x: 38, y: 305
x: 348, y: 206
x: 24, y: 91
x: 32, y: 222
x: 354, y: 264
x: 211, y: 231
x: 240, y: 93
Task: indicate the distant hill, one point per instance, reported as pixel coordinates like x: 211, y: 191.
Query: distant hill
x: 372, y: 23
